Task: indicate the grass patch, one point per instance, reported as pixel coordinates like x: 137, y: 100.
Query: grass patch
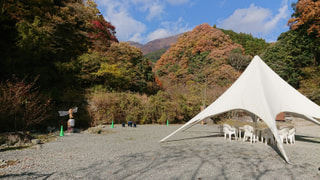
x: 10, y: 163
x: 44, y: 138
x: 95, y: 130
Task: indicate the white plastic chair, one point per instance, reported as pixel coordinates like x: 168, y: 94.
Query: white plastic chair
x: 249, y: 133
x: 283, y: 134
x: 228, y: 130
x: 291, y: 136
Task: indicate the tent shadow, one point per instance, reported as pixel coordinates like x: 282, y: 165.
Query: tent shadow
x: 298, y: 138
x: 10, y: 148
x: 144, y: 163
x: 27, y: 176
x: 277, y: 150
x: 310, y: 139
x: 196, y: 137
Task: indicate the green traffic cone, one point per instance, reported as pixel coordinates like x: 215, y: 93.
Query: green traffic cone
x: 112, y: 126
x: 61, y: 132
x: 167, y: 122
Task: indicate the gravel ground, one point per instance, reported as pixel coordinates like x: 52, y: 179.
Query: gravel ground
x: 134, y: 153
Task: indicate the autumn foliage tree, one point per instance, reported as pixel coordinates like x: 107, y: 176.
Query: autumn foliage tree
x: 122, y: 67
x: 307, y: 14
x: 199, y: 56
x: 102, y: 34
x: 198, y: 63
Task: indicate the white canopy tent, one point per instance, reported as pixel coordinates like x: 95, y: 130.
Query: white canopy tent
x: 264, y: 93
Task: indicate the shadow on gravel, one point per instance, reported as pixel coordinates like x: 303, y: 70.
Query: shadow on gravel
x: 191, y: 138
x: 198, y: 160
x: 27, y: 176
x: 307, y: 139
x: 13, y: 148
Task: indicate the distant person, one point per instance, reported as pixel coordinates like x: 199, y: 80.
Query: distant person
x: 71, y: 124
x: 71, y: 121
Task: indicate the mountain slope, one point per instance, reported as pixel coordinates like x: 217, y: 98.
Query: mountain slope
x: 136, y: 44
x: 163, y: 43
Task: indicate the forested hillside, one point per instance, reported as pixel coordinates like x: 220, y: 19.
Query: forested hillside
x: 156, y: 55
x: 59, y: 54
x: 200, y: 55
x: 253, y: 46
x: 66, y: 48
x: 296, y: 54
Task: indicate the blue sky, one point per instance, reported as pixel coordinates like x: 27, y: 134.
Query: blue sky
x: 146, y: 20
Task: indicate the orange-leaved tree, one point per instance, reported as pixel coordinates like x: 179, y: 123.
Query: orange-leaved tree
x: 307, y: 13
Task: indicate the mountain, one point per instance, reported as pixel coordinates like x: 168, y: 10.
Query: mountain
x: 154, y: 45
x: 136, y: 44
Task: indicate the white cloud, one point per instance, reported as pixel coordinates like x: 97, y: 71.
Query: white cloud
x: 116, y: 12
x: 247, y: 20
x: 283, y: 14
x: 155, y: 10
x: 254, y: 20
x: 128, y: 28
x: 159, y: 33
x: 169, y: 29
x: 136, y: 37
x: 177, y: 2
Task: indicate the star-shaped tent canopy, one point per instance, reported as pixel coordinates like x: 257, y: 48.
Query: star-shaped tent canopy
x: 264, y: 93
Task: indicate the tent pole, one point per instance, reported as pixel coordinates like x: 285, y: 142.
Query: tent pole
x: 193, y: 124
x: 185, y: 125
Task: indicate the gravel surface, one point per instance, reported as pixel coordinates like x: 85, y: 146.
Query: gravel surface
x: 135, y: 153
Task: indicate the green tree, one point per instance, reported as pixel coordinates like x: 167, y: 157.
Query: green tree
x: 46, y: 37
x: 310, y: 85
x: 289, y: 55
x: 306, y: 21
x: 252, y: 46
x: 156, y: 55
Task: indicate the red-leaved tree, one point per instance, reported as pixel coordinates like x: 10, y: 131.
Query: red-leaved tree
x: 102, y: 34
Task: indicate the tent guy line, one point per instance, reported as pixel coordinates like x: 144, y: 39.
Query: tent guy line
x: 259, y: 90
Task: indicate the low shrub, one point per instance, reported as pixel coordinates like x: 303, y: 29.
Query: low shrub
x: 177, y: 104
x: 21, y: 105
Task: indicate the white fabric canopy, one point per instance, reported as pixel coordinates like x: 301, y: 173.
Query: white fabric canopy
x: 264, y: 93
x: 64, y: 113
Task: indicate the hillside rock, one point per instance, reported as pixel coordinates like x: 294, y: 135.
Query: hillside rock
x: 14, y: 139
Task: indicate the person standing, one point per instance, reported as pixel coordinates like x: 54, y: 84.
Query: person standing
x: 71, y: 122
